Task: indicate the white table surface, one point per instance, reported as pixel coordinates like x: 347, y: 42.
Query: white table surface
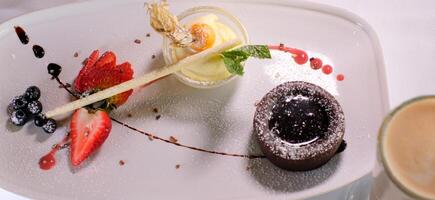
x: 406, y: 30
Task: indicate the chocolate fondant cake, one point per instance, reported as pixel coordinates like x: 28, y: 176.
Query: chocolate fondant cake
x: 299, y: 126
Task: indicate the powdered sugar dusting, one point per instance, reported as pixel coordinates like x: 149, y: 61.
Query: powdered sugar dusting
x: 282, y: 68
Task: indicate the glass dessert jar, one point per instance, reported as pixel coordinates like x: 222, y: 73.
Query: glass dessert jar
x: 210, y: 73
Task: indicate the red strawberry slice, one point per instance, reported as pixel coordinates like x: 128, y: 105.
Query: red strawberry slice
x: 92, y: 59
x: 89, y: 62
x: 88, y: 133
x: 104, y: 73
x: 125, y: 73
x: 108, y: 58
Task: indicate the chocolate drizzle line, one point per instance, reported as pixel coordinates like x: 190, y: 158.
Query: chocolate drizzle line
x: 65, y: 86
x: 342, y: 147
x: 163, y: 139
x: 22, y: 35
x: 38, y: 51
x: 186, y: 146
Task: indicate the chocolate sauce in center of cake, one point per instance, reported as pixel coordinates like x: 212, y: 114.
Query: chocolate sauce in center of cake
x: 299, y: 118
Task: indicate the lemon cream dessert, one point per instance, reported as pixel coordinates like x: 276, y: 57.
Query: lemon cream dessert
x: 207, y: 31
x: 196, y: 30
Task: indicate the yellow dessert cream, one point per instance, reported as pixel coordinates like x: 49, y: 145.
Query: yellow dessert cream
x: 208, y: 31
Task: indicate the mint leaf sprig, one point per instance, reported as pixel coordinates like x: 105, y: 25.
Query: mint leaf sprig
x: 233, y: 59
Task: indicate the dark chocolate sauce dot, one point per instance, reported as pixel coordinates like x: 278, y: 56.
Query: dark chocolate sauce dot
x: 22, y: 35
x: 342, y: 146
x: 298, y: 118
x: 38, y: 51
x: 54, y: 69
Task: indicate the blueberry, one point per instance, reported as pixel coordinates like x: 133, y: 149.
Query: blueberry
x: 32, y: 93
x: 39, y: 120
x: 49, y: 126
x: 19, y: 117
x: 19, y: 102
x: 34, y: 107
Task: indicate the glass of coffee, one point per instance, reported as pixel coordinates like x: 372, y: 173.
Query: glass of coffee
x: 405, y: 167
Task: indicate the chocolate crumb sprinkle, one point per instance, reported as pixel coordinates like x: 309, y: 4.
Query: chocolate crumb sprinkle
x: 148, y: 35
x: 121, y: 163
x: 177, y: 166
x: 158, y: 117
x: 153, y: 56
x: 137, y: 41
x: 151, y: 138
x: 173, y: 139
x: 76, y: 55
x: 129, y: 115
x: 155, y: 110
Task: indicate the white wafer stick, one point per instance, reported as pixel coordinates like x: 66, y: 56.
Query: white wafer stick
x: 142, y: 80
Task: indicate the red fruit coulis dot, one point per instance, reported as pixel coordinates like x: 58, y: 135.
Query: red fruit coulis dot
x: 315, y: 63
x: 327, y: 69
x: 48, y: 161
x: 340, y: 77
x: 299, y: 56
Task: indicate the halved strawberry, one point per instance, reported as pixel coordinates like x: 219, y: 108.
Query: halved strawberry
x: 89, y: 130
x: 104, y: 73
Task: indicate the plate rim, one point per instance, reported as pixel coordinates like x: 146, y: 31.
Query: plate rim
x: 70, y: 9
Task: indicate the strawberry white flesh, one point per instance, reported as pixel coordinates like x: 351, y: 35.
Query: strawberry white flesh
x: 88, y: 133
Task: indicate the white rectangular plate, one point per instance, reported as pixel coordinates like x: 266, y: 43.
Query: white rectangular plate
x: 219, y: 119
